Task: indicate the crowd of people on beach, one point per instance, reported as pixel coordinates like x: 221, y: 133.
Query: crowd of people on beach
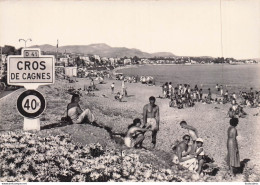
x: 188, y: 152
x: 182, y: 95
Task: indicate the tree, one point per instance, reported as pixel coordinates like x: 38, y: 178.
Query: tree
x: 9, y: 50
x: 135, y: 60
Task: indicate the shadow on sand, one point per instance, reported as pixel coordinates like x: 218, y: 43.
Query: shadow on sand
x: 55, y: 125
x: 128, y: 96
x: 117, y: 137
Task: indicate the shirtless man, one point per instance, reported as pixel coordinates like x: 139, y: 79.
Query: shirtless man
x: 182, y: 155
x: 76, y: 114
x: 151, y: 118
x: 193, y: 133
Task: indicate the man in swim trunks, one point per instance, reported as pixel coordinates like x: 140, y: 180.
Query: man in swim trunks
x: 151, y: 118
x: 76, y: 114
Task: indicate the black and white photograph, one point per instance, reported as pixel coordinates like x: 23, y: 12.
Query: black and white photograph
x: 130, y: 91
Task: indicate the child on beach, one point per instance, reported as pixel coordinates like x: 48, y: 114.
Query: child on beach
x: 200, y: 154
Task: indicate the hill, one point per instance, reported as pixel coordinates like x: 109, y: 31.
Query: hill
x: 103, y: 50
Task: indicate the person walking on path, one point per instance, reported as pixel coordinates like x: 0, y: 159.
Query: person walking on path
x: 151, y: 118
x: 233, y: 159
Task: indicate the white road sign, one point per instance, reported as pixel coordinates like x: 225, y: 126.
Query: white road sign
x: 30, y: 69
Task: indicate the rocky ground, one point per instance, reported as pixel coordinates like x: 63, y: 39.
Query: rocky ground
x: 210, y: 119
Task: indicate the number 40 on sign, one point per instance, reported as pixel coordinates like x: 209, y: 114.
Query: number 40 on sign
x: 31, y: 104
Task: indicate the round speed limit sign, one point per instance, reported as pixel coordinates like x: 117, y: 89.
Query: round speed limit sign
x: 31, y: 104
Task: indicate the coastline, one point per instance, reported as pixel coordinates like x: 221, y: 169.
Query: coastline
x: 114, y: 71
x: 209, y: 119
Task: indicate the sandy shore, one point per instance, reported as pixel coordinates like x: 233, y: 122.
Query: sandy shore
x: 210, y: 119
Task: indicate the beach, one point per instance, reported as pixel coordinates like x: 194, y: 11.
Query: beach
x: 211, y: 121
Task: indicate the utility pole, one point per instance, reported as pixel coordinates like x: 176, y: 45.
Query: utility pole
x: 1, y: 55
x: 57, y: 50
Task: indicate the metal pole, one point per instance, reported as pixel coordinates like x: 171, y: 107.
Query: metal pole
x: 25, y: 41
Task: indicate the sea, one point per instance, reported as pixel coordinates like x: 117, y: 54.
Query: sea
x: 234, y: 78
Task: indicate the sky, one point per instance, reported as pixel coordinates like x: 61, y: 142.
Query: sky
x: 183, y: 27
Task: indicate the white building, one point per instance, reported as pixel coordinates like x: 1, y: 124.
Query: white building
x: 71, y: 71
x: 127, y: 61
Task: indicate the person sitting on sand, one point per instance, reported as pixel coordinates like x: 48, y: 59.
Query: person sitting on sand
x: 183, y: 157
x: 76, y: 114
x: 236, y: 111
x: 119, y: 96
x: 180, y: 103
x: 193, y: 134
x: 200, y: 154
x: 171, y: 103
x: 225, y: 100
x: 135, y: 134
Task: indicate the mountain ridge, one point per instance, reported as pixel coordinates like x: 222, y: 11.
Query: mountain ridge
x: 103, y: 50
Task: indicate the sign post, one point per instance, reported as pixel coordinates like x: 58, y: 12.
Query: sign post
x: 31, y: 69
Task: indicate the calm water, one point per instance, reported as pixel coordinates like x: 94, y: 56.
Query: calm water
x: 232, y: 77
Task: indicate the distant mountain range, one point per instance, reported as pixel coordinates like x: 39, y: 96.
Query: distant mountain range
x: 103, y: 50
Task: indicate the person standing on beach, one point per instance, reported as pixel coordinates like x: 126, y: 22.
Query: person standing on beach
x: 233, y: 159
x: 221, y: 90
x: 112, y: 87
x: 170, y: 90
x: 209, y: 94
x: 92, y: 85
x: 201, y: 94
x: 123, y: 88
x: 151, y: 118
